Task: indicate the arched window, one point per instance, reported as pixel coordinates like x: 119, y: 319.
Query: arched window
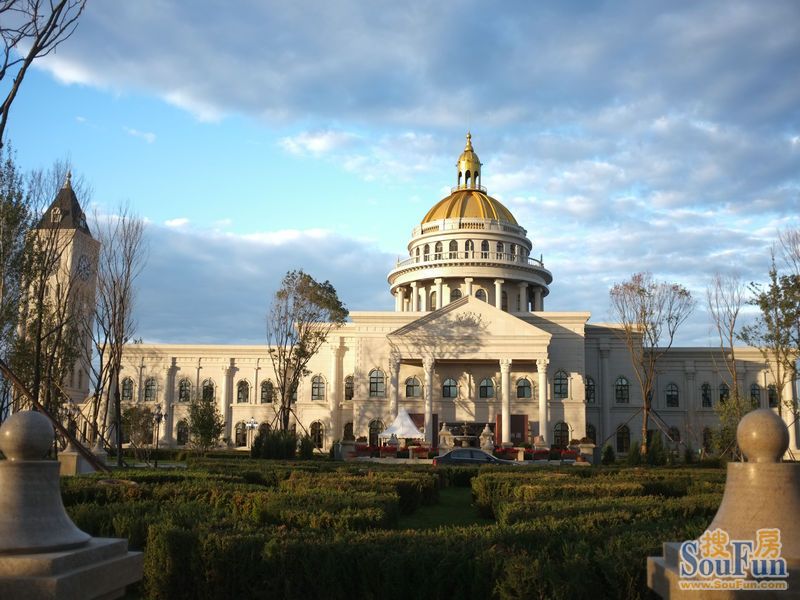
x: 416, y: 253
x: 504, y: 301
x: 150, y: 390
x: 561, y: 435
x: 500, y: 249
x: 674, y: 435
x: 377, y: 384
x: 467, y: 178
x: 705, y: 395
x: 455, y: 295
x: 755, y: 395
x: 437, y: 251
x: 127, y: 389
x: 486, y: 389
x: 242, y: 392
x: 184, y: 390
x: 413, y: 388
x: 484, y: 249
x: 469, y: 248
x: 453, y: 247
x: 622, y: 391
x: 672, y: 396
x: 724, y: 392
x: 317, y: 434
x: 432, y: 305
x: 561, y: 385
x: 772, y: 395
x: 318, y: 388
x: 426, y: 252
x: 375, y: 428
x: 348, y: 387
x: 708, y: 440
x: 208, y: 390
x: 449, y: 388
x: 591, y: 398
x: 182, y: 432
x: 591, y: 432
x: 293, y: 392
x: 480, y: 295
x: 267, y: 392
x: 347, y: 432
x: 240, y: 437
x: 513, y: 252
x: 623, y: 438
x: 523, y: 388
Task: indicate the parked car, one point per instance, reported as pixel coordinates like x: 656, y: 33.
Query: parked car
x: 470, y: 456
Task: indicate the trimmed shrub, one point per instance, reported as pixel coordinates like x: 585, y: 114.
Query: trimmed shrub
x: 609, y: 457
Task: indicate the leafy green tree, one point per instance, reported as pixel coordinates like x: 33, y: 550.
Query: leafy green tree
x: 303, y: 313
x: 205, y: 423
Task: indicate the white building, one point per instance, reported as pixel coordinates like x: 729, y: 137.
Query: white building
x: 469, y: 343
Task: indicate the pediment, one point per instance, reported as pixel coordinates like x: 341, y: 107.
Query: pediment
x: 468, y: 323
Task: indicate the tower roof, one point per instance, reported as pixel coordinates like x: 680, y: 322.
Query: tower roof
x: 65, y: 212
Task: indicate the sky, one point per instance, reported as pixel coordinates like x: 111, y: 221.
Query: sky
x: 625, y: 137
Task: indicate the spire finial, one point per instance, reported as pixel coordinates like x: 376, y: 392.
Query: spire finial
x: 468, y: 147
x: 68, y: 180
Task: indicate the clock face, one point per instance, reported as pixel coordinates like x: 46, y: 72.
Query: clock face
x: 84, y: 268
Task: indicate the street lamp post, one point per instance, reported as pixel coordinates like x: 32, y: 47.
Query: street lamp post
x: 158, y: 417
x: 251, y: 427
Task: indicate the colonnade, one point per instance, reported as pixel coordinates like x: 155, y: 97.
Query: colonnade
x: 416, y: 297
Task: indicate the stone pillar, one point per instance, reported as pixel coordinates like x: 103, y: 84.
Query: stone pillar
x: 225, y: 400
x: 394, y: 383
x: 523, y: 297
x: 544, y: 423
x: 505, y: 402
x: 538, y: 304
x: 607, y: 393
x: 690, y: 394
x: 398, y: 300
x: 414, y: 297
x: 42, y: 553
x: 789, y: 413
x: 424, y: 299
x: 498, y: 295
x: 439, y: 299
x: 427, y: 365
x: 335, y: 387
x: 169, y: 399
x: 468, y: 286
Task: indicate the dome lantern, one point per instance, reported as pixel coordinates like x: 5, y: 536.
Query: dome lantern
x: 469, y: 167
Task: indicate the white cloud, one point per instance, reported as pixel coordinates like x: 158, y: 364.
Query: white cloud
x: 178, y: 222
x: 147, y: 136
x: 316, y: 143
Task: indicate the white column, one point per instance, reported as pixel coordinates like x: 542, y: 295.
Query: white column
x: 690, y: 398
x: 169, y: 398
x: 498, y: 293
x: 398, y: 300
x: 225, y: 401
x: 394, y: 382
x: 468, y: 286
x: 537, y: 300
x: 439, y: 299
x: 788, y: 413
x: 544, y: 424
x: 523, y: 297
x: 423, y: 299
x: 505, y: 403
x: 427, y: 365
x: 414, y: 297
x: 334, y: 389
x: 607, y: 393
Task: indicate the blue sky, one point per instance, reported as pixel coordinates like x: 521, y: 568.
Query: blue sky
x: 624, y: 137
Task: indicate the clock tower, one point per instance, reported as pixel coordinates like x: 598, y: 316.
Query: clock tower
x: 63, y: 228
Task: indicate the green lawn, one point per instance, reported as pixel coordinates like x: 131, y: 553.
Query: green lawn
x: 454, y: 510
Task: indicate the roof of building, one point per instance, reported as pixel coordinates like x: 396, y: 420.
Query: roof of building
x: 65, y: 212
x: 469, y: 203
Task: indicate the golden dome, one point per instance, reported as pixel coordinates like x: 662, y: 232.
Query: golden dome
x: 469, y: 204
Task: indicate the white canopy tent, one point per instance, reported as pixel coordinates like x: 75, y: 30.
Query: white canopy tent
x: 403, y: 427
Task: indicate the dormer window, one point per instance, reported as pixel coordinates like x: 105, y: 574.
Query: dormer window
x: 55, y: 215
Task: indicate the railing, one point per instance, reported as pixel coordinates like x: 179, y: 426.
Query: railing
x: 472, y: 255
x: 469, y: 224
x: 465, y: 186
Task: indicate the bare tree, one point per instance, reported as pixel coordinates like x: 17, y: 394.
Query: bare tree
x: 650, y: 313
x: 31, y: 29
x: 123, y: 254
x: 302, y: 314
x: 726, y: 295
